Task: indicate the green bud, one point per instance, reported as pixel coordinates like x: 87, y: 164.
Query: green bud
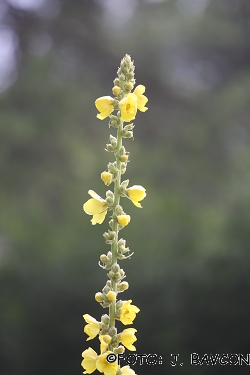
x: 112, y: 169
x: 111, y: 224
x: 109, y: 236
x: 105, y: 319
x: 111, y: 274
x: 104, y: 258
x: 115, y: 341
x: 115, y: 268
x: 119, y: 210
x: 122, y: 273
x: 116, y: 82
x: 118, y: 307
x: 122, y: 77
x: 127, y: 134
x: 119, y: 350
x: 109, y: 194
x: 105, y: 304
x: 121, y: 151
x: 112, y: 331
x: 124, y: 186
x: 128, y: 127
x: 123, y: 286
x: 110, y: 198
x: 113, y: 141
x: 106, y: 289
x: 121, y: 242
x: 110, y: 148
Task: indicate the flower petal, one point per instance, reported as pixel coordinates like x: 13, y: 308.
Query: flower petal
x: 89, y: 319
x: 94, y: 206
x: 105, y: 106
x: 139, y: 90
x: 99, y: 218
x: 93, y: 194
x: 136, y: 193
x: 126, y: 370
x: 142, y: 99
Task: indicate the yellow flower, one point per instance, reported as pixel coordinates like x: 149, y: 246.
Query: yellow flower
x: 106, y: 177
x: 105, y: 105
x: 106, y: 367
x: 127, y: 338
x: 136, y: 193
x: 128, y: 312
x: 128, y: 107
x: 92, y: 328
x: 123, y: 220
x: 89, y: 361
x: 142, y: 99
x: 97, y: 207
x: 126, y: 370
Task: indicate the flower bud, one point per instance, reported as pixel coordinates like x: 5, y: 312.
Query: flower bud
x: 111, y: 224
x: 118, y: 307
x: 129, y: 84
x: 116, y: 90
x: 113, y: 141
x: 115, y: 268
x: 127, y: 134
x: 109, y: 236
x: 122, y: 77
x: 118, y: 210
x: 121, y: 151
x: 109, y: 198
x: 106, y: 289
x: 106, y: 339
x: 122, y: 273
x: 112, y: 169
x: 123, y: 170
x: 112, y: 331
x: 105, y: 319
x: 128, y: 127
x: 99, y: 297
x: 111, y: 274
x: 124, y: 186
x: 116, y: 82
x: 123, y: 286
x: 104, y: 258
x: 119, y: 350
x: 110, y: 148
x: 124, y: 157
x: 111, y: 296
x: 123, y: 220
x: 107, y: 178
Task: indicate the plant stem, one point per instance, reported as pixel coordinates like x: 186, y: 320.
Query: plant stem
x: 117, y: 184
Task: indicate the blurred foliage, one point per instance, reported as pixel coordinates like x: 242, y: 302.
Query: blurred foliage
x: 190, y: 271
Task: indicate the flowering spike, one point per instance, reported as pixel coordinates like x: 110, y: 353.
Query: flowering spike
x: 125, y: 105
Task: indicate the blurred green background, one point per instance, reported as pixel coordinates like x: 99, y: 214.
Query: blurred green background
x: 190, y: 271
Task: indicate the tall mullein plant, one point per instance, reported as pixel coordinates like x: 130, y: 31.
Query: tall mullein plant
x: 125, y: 104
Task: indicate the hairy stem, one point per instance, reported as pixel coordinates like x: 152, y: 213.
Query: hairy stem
x: 117, y: 184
